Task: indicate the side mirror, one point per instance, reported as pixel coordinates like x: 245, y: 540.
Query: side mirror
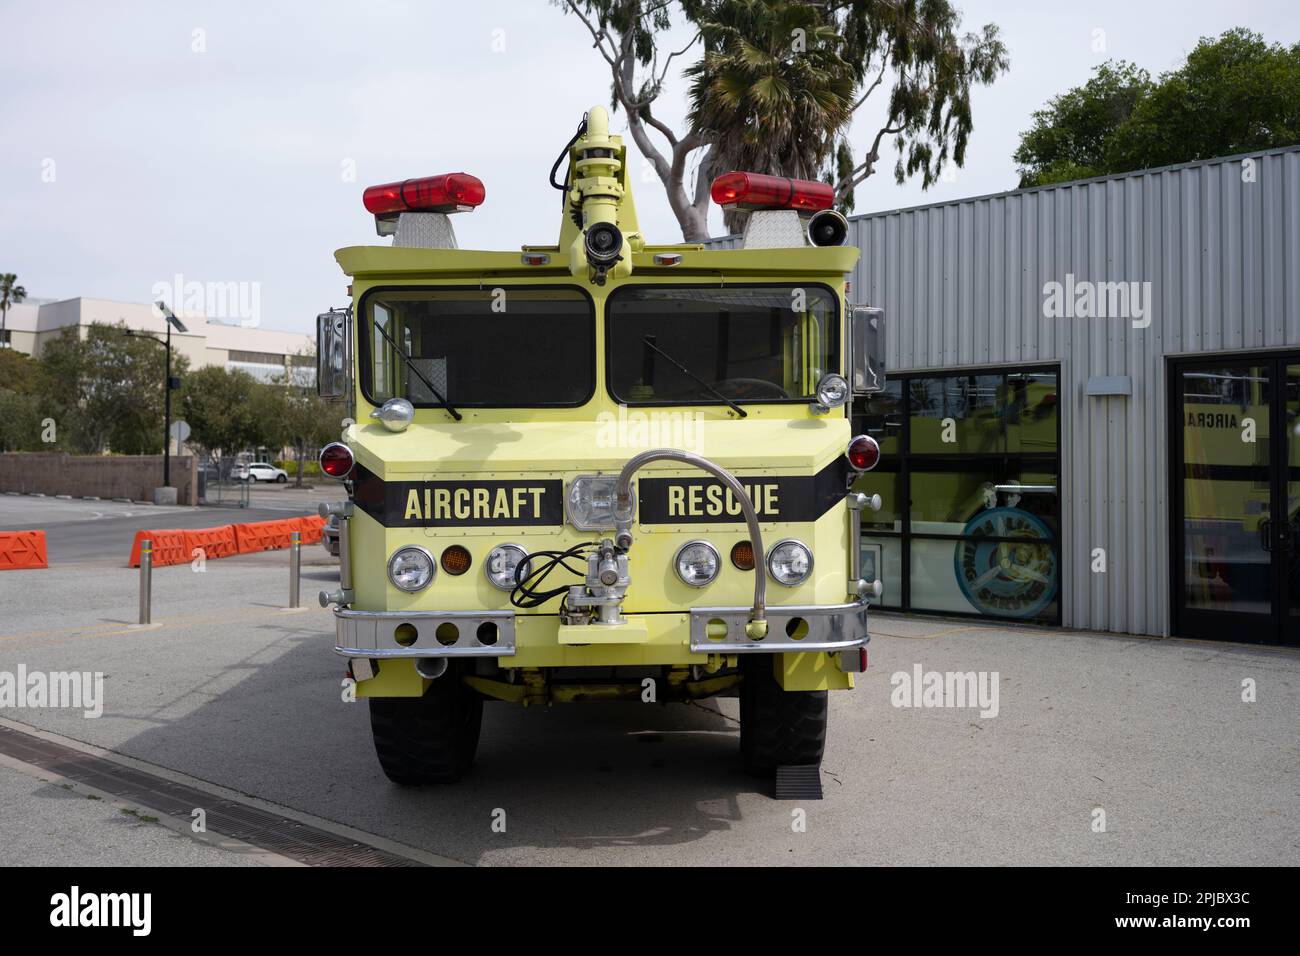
x: 332, y: 354
x: 867, y: 345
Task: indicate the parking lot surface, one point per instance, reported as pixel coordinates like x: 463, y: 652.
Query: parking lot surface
x: 1151, y: 739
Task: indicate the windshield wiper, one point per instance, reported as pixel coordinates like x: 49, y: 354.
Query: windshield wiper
x: 649, y: 340
x: 410, y: 363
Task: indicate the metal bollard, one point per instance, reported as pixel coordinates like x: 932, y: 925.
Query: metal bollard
x: 146, y: 580
x: 295, y: 566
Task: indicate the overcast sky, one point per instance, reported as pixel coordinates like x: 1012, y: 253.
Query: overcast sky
x: 229, y: 141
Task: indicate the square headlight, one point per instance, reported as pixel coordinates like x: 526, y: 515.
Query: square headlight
x: 589, y: 502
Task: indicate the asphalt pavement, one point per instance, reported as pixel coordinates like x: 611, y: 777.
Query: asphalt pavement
x: 80, y: 530
x: 1104, y: 749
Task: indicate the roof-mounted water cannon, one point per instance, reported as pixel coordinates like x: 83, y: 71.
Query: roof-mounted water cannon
x: 600, y: 229
x: 414, y: 211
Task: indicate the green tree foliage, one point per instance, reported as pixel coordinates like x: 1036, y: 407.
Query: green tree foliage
x: 20, y: 409
x: 1073, y: 137
x: 11, y: 293
x: 224, y: 411
x: 780, y: 81
x: 20, y: 422
x: 1234, y: 94
x: 19, y: 372
x: 303, y: 421
x: 773, y: 86
x: 105, y: 390
x: 230, y: 412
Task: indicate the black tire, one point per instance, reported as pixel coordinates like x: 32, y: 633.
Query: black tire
x: 281, y: 479
x: 429, y: 739
x: 778, y: 727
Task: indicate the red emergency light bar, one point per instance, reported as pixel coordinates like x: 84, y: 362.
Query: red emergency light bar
x: 757, y: 191
x: 449, y: 192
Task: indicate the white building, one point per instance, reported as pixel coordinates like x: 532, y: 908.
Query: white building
x: 266, y: 354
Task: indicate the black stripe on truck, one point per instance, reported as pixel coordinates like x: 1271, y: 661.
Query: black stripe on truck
x: 540, y: 502
x: 460, y: 504
x: 705, y: 500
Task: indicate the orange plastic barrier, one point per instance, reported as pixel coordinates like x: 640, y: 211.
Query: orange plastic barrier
x: 169, y: 547
x: 264, y: 535
x: 177, y: 546
x: 311, y: 527
x: 215, y: 542
x: 22, y: 549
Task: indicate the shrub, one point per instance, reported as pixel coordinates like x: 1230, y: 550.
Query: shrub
x: 310, y: 467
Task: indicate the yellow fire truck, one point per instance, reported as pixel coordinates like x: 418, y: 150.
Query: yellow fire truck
x: 601, y: 469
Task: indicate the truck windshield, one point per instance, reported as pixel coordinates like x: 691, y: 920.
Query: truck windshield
x: 506, y: 347
x: 675, y: 345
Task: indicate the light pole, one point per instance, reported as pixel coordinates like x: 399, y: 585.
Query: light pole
x: 170, y: 316
x: 170, y: 385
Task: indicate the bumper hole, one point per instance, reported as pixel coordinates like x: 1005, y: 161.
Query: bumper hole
x: 405, y: 634
x: 716, y: 629
x: 447, y: 634
x: 796, y: 629
x: 487, y: 633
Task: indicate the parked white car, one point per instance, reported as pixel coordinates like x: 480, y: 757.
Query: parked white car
x: 261, y: 471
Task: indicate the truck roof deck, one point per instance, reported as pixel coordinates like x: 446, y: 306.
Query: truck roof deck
x: 406, y: 262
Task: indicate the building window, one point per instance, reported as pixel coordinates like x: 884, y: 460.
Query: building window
x: 969, y: 477
x: 256, y: 358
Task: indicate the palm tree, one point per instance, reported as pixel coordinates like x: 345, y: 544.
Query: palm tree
x: 772, y: 90
x: 10, y: 292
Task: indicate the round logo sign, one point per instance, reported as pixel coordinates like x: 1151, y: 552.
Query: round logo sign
x: 1009, y: 578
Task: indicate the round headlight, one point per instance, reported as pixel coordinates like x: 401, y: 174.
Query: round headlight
x: 832, y: 391
x: 501, y: 564
x: 410, y: 569
x: 789, y: 562
x: 697, y: 563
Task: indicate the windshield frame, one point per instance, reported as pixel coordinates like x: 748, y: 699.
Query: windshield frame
x: 835, y: 335
x: 365, y: 336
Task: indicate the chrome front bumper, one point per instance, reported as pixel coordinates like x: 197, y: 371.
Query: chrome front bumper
x: 437, y: 633
x: 374, y: 634
x: 822, y: 627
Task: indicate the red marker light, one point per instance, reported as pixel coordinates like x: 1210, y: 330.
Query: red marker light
x: 336, y: 460
x: 756, y: 191
x: 863, y: 453
x: 449, y: 192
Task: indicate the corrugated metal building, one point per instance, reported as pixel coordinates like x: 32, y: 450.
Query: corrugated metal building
x: 965, y: 286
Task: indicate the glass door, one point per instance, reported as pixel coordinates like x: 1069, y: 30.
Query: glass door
x: 969, y: 476
x: 1236, y: 526
x: 1288, y: 556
